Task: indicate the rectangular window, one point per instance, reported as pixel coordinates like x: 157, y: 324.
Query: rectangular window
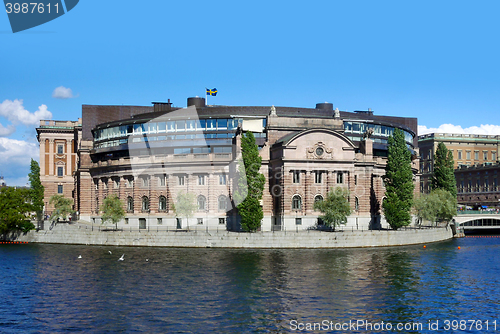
x: 159, y: 221
x: 126, y: 221
x: 222, y: 179
x: 222, y: 221
x: 298, y: 221
x: 59, y: 189
x: 60, y: 149
x: 356, y: 178
x: 476, y: 155
x: 485, y: 155
x: 201, y: 180
x: 130, y: 183
x: 145, y: 181
x: 181, y: 180
x: 296, y: 176
x: 340, y: 177
x: 60, y: 171
x: 467, y: 154
x: 317, y: 177
x: 183, y: 150
x: 162, y: 180
x: 459, y: 154
x: 200, y: 221
x: 494, y: 156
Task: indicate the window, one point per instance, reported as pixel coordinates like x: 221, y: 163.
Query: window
x: 467, y: 154
x: 340, y: 177
x: 59, y: 188
x: 126, y: 221
x: 130, y: 183
x: 485, y: 155
x: 162, y: 181
x: 318, y: 198
x: 296, y: 202
x: 96, y: 184
x: 60, y: 149
x: 159, y: 221
x: 222, y: 221
x: 317, y: 177
x: 296, y: 176
x: 201, y: 180
x: 162, y: 203
x: 222, y: 179
x: 459, y: 154
x: 356, y: 177
x: 476, y: 155
x: 222, y: 201
x: 494, y: 156
x: 200, y: 221
x: 181, y: 180
x: 145, y: 181
x: 298, y: 221
x: 356, y: 203
x: 202, y: 201
x: 60, y: 171
x: 145, y: 203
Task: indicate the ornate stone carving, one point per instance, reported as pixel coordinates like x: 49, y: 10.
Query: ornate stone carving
x: 273, y: 111
x: 319, y: 151
x: 368, y: 133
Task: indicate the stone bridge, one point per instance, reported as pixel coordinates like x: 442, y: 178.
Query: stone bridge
x: 472, y: 220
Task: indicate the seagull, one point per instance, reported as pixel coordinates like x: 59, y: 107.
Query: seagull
x: 121, y: 259
x: 79, y: 256
x: 110, y: 252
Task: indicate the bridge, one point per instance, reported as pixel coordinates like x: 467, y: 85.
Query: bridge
x: 477, y: 220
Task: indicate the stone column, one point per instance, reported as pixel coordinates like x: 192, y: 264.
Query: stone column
x: 51, y: 157
x: 69, y: 158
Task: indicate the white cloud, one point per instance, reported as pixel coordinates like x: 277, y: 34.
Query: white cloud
x: 483, y: 129
x: 16, y: 156
x: 7, y: 131
x: 14, y: 111
x: 62, y: 92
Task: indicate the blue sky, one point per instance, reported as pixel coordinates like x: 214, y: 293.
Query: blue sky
x: 437, y: 61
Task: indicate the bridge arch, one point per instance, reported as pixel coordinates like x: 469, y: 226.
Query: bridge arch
x: 484, y: 222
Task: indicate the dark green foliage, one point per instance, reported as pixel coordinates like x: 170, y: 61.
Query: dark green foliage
x: 15, y: 209
x: 439, y: 205
x: 335, y: 208
x: 62, y: 207
x: 37, y: 189
x: 398, y: 182
x: 250, y: 184
x: 112, y: 210
x: 443, y: 176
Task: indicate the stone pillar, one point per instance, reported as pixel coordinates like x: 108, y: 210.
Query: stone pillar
x: 51, y: 157
x: 42, y: 156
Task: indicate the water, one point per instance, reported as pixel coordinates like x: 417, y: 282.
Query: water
x: 47, y: 289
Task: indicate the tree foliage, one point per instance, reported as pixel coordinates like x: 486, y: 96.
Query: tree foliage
x: 398, y: 182
x: 112, y: 210
x: 443, y: 176
x: 335, y: 208
x: 15, y: 210
x: 62, y: 207
x: 250, y: 184
x: 185, y: 204
x: 37, y: 189
x: 440, y: 205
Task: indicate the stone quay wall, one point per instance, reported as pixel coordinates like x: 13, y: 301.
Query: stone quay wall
x: 78, y: 234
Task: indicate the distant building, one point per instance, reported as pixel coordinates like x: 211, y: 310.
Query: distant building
x: 2, y: 182
x: 58, y: 157
x: 477, y: 185
x: 467, y: 149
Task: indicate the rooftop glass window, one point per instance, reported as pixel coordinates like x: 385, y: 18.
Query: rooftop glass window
x: 211, y: 125
x: 222, y: 124
x: 190, y: 125
x: 162, y: 127
x: 171, y: 126
x: 201, y: 125
x: 180, y: 126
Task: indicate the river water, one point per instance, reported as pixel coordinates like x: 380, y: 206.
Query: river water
x: 48, y: 289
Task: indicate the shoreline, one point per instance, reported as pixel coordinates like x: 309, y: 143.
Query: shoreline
x: 74, y: 234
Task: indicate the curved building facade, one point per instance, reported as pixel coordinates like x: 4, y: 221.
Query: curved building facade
x: 150, y: 156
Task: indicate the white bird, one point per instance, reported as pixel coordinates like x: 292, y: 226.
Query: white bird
x: 147, y: 260
x: 110, y: 252
x: 79, y: 256
x: 122, y: 258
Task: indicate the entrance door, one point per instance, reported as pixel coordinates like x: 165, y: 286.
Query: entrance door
x: 142, y: 223
x: 179, y: 222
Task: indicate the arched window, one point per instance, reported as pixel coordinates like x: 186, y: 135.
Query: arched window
x: 162, y: 203
x: 318, y: 198
x: 145, y: 203
x: 356, y: 203
x: 130, y: 204
x: 296, y: 202
x: 222, y: 203
x: 202, y: 201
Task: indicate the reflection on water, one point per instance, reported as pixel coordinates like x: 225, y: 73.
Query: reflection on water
x: 47, y: 289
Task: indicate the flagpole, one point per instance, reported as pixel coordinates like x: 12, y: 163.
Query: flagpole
x: 206, y: 96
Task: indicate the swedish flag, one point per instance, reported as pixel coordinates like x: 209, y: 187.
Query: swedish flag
x: 212, y: 92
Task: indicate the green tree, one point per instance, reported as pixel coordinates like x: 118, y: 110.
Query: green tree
x: 37, y: 189
x: 112, y: 210
x: 335, y: 208
x: 438, y: 206
x: 185, y: 205
x: 398, y: 182
x: 62, y: 207
x: 443, y: 176
x: 250, y: 184
x: 15, y: 210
